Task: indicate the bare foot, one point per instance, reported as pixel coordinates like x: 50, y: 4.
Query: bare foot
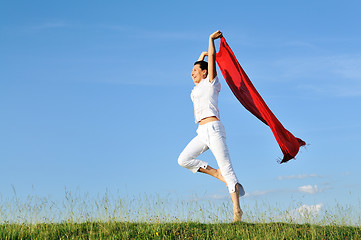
x: 237, y: 215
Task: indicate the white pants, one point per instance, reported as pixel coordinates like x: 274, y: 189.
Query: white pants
x: 210, y: 136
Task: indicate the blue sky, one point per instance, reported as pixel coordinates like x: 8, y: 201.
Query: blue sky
x: 96, y: 96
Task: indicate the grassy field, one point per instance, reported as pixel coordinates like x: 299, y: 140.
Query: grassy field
x: 80, y: 216
x: 188, y: 230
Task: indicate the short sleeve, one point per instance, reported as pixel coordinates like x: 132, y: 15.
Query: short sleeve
x: 216, y: 84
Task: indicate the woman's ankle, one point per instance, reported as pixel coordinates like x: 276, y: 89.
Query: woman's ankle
x: 237, y: 215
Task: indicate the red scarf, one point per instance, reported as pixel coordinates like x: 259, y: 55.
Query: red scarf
x: 247, y: 94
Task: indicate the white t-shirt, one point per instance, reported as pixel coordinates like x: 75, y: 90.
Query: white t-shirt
x: 205, y: 99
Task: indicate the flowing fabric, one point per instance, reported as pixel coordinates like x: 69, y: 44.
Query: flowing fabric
x: 247, y: 94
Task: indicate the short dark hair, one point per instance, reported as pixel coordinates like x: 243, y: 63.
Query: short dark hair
x: 202, y: 64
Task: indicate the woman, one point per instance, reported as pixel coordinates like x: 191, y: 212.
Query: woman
x: 211, y: 133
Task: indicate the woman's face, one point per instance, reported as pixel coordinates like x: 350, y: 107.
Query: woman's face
x: 198, y: 74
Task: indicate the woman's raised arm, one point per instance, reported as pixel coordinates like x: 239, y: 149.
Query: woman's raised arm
x: 212, y: 72
x: 202, y: 56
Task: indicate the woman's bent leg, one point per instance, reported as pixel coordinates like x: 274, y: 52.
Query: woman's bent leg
x: 187, y: 158
x: 213, y: 172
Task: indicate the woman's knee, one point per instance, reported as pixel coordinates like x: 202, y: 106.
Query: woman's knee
x: 183, y: 160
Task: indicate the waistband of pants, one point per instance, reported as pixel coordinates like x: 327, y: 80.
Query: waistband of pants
x: 206, y: 125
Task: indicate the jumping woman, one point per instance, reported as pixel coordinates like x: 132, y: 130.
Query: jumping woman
x: 210, y: 132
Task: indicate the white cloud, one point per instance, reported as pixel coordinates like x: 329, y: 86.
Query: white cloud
x: 259, y: 193
x: 302, y: 213
x: 309, y: 189
x: 309, y: 211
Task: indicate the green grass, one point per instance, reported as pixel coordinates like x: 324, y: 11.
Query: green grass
x: 80, y: 216
x: 187, y: 230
